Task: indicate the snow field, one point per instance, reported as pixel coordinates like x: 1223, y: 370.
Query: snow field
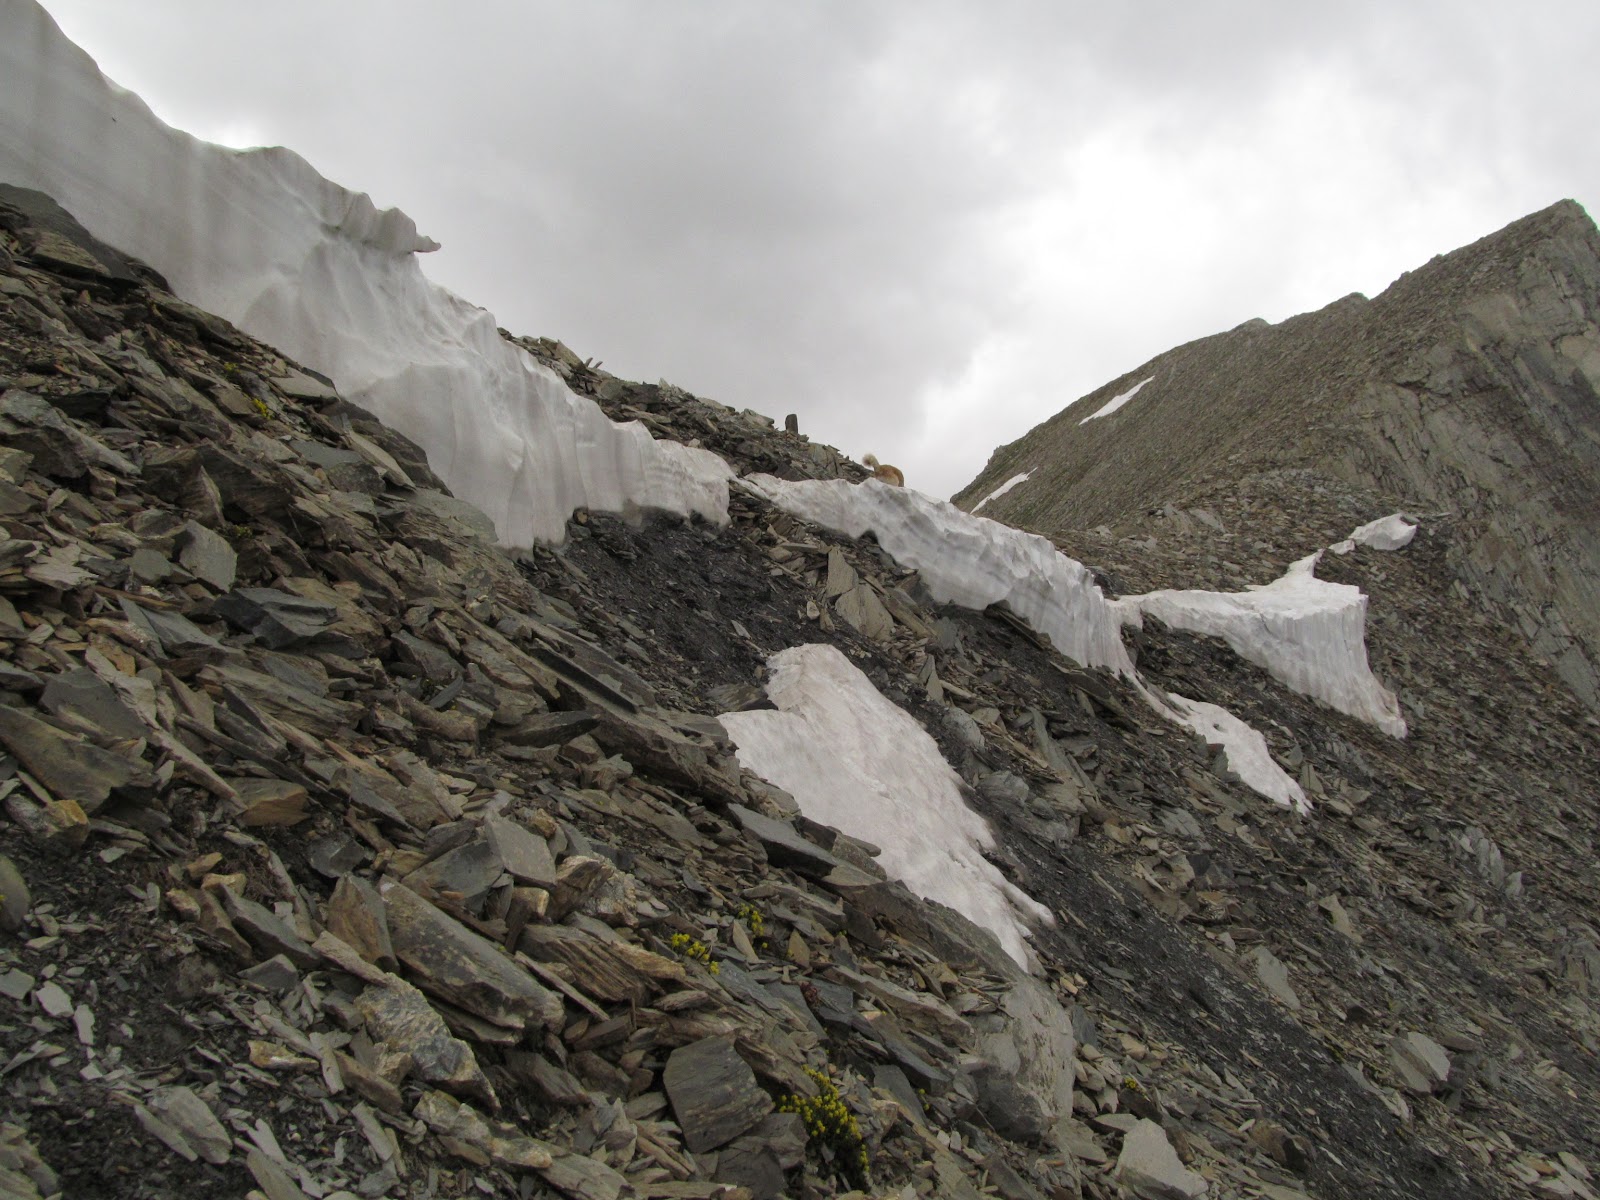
x: 296, y: 260
x: 858, y: 762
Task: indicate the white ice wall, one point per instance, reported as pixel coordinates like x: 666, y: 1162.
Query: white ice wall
x: 261, y: 238
x: 967, y: 560
x: 1309, y: 633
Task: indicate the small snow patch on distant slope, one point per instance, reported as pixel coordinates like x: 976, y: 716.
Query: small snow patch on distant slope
x: 1003, y: 489
x: 1393, y: 532
x: 1116, y: 402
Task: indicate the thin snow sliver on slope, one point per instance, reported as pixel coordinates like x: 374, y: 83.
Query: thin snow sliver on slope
x: 1003, y: 489
x: 1244, y: 750
x: 854, y: 760
x: 1116, y: 402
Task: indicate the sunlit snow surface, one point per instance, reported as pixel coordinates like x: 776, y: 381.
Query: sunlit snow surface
x: 261, y: 238
x: 856, y: 761
x: 967, y: 560
x: 1116, y: 402
x: 1308, y: 633
x: 1393, y: 532
x: 1002, y: 489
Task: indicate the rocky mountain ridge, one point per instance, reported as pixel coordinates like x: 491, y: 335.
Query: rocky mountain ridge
x: 346, y: 854
x: 1469, y: 388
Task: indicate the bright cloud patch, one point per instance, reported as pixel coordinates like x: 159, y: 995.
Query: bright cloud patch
x: 854, y: 760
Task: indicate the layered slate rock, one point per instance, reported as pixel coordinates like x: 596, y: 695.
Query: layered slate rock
x: 457, y: 965
x: 713, y: 1092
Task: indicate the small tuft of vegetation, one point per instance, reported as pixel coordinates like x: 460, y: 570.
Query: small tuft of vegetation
x: 694, y: 948
x: 831, y: 1126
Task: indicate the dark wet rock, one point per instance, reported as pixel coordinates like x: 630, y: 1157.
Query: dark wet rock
x: 279, y: 619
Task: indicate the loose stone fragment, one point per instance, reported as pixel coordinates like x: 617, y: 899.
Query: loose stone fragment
x: 525, y: 855
x: 785, y: 847
x: 464, y: 968
x: 714, y: 1093
x: 1421, y: 1063
x: 14, y: 897
x: 267, y: 931
x: 80, y: 693
x: 193, y: 1118
x: 1274, y: 977
x: 398, y: 1015
x: 1150, y: 1168
x: 70, y: 770
x: 356, y: 913
x: 272, y: 1178
x: 270, y: 802
x: 208, y: 556
x: 502, y: 1143
x: 278, y: 619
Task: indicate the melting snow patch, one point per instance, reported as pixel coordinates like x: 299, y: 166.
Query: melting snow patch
x: 1244, y: 750
x: 1116, y: 402
x: 1003, y: 489
x: 262, y: 239
x: 967, y: 560
x: 855, y: 761
x: 1309, y: 633
x: 1393, y: 532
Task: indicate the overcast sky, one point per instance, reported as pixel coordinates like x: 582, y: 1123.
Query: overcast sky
x: 923, y: 226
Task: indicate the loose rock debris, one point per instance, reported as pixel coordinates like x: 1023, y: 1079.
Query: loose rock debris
x: 346, y: 855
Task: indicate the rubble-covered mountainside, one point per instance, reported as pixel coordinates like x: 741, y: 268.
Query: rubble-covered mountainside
x: 344, y: 854
x: 1470, y: 387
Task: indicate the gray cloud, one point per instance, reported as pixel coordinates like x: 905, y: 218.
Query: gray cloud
x: 923, y: 227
